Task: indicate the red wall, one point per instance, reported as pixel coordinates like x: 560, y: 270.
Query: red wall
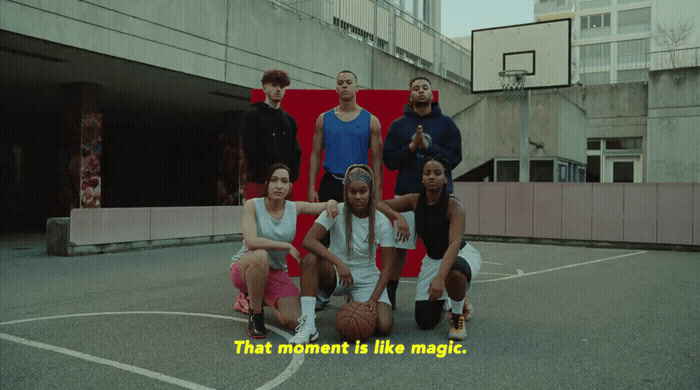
x: 305, y: 106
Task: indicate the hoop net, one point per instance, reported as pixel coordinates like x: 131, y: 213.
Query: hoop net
x: 513, y: 83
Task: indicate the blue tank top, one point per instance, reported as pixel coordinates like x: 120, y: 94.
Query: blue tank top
x: 283, y: 229
x: 346, y: 143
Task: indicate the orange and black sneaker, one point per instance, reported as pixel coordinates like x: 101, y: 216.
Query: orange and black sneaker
x: 256, y: 324
x: 457, y: 329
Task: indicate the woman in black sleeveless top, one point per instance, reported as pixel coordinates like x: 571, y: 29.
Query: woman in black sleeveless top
x: 450, y: 263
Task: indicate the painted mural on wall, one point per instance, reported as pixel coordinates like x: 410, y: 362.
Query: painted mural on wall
x: 90, y: 157
x: 230, y: 187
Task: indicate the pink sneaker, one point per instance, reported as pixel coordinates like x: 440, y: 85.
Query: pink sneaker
x: 242, y: 305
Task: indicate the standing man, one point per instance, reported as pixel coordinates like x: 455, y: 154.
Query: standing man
x: 346, y: 132
x: 270, y: 134
x: 422, y: 129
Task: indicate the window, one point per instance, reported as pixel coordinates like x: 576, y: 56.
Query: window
x: 593, y: 169
x: 427, y: 13
x: 508, y: 170
x: 541, y: 171
x: 615, y: 160
x: 595, y: 78
x: 595, y: 55
x: 634, y: 20
x: 595, y: 21
x: 632, y: 75
x: 623, y: 172
x: 624, y: 144
x: 590, y: 4
x: 635, y: 51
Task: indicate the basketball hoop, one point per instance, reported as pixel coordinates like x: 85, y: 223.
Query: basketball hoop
x: 513, y: 83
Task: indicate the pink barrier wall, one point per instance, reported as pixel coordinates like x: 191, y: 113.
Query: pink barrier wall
x: 665, y: 213
x: 116, y: 225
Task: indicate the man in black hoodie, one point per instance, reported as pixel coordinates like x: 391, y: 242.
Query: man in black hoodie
x: 422, y: 130
x: 269, y: 134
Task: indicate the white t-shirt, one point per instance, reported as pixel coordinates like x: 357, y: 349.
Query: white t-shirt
x: 361, y: 255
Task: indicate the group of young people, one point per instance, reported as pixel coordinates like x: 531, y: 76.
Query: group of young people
x: 353, y: 220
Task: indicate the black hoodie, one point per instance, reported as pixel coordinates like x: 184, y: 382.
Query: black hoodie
x: 270, y: 136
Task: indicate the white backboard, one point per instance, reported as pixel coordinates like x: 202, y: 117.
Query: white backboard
x: 542, y: 49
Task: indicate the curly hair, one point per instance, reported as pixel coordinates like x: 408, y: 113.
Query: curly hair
x: 276, y: 77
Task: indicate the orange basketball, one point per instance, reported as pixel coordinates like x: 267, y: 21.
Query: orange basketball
x: 355, y: 321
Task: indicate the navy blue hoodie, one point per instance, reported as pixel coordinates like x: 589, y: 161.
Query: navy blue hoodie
x: 440, y: 132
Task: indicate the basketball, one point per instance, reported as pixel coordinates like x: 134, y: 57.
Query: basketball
x: 355, y: 321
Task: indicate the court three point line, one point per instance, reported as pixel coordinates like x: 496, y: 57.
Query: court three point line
x: 106, y: 362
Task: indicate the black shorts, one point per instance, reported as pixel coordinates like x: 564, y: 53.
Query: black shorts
x: 462, y: 266
x: 331, y: 187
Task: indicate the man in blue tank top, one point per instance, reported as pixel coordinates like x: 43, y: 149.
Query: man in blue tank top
x: 346, y: 133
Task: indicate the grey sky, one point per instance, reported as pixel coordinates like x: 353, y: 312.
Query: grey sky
x: 460, y: 17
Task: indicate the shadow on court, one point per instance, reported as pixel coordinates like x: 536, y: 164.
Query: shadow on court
x: 544, y: 317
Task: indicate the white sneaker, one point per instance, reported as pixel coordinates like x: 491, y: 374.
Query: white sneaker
x: 468, y: 311
x: 306, y: 332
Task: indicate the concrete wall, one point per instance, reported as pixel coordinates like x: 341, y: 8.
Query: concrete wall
x: 231, y: 41
x: 572, y: 124
x: 622, y: 213
x: 491, y: 128
x: 613, y: 110
x: 477, y: 145
x: 185, y: 36
x: 673, y: 15
x: 625, y: 213
x: 673, y: 143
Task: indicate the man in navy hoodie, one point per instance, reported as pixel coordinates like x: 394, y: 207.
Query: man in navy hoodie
x: 422, y: 130
x: 270, y: 134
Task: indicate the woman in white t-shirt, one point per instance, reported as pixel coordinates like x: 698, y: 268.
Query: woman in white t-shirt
x: 348, y: 266
x: 260, y: 266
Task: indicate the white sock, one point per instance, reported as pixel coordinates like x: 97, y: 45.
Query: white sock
x: 308, y: 309
x: 457, y: 306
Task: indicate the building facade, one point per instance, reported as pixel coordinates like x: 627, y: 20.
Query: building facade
x: 621, y: 50
x: 139, y: 104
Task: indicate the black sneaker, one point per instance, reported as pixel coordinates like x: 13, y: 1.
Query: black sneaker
x: 256, y: 325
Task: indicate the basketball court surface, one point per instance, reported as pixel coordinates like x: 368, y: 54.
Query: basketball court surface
x: 545, y: 317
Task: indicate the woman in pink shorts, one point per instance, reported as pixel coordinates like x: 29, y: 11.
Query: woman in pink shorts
x: 260, y: 266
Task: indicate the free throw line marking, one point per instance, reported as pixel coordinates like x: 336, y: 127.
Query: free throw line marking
x: 521, y: 273
x: 294, y: 365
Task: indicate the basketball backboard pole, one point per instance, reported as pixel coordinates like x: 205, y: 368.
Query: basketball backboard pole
x: 525, y: 139
x: 514, y: 60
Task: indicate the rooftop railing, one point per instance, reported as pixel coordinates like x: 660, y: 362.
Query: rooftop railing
x: 386, y: 27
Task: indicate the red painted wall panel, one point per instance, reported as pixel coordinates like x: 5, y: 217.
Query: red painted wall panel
x: 305, y: 106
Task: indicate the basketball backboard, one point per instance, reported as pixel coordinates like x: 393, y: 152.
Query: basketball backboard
x: 542, y: 49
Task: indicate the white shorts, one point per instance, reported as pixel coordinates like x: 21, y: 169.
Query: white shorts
x: 430, y: 267
x: 365, y: 281
x: 410, y: 243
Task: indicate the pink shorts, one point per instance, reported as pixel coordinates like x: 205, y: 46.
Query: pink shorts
x: 279, y: 285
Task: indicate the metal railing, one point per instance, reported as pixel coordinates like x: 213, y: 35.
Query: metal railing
x: 388, y: 28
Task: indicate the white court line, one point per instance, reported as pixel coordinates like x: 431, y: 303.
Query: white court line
x: 494, y: 273
x: 491, y: 262
x: 107, y: 362
x: 521, y: 274
x: 293, y: 367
